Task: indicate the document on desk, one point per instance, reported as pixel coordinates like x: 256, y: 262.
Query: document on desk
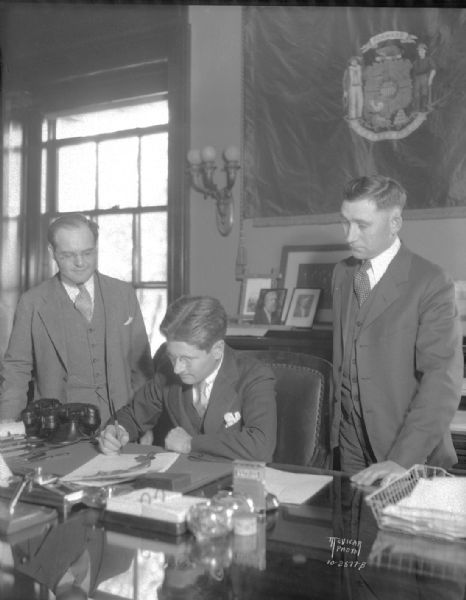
x: 294, y: 488
x: 458, y: 425
x: 10, y: 429
x: 111, y: 469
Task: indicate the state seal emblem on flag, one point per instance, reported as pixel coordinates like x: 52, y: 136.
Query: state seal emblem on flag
x: 387, y: 88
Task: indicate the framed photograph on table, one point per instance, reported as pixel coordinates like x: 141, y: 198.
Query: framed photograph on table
x: 250, y: 292
x: 269, y: 307
x: 302, y: 308
x: 311, y: 267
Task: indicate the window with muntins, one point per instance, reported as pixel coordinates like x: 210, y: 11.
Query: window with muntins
x: 110, y: 162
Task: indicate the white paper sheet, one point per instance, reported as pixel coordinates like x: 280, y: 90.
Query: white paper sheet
x: 435, y: 506
x: 458, y: 425
x: 5, y: 473
x: 294, y: 488
x: 99, y: 470
x: 9, y: 428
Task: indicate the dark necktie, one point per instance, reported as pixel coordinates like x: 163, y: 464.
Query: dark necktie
x: 83, y: 303
x: 362, y: 286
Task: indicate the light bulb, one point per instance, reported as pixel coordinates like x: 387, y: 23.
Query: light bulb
x: 208, y: 154
x: 231, y: 154
x: 194, y: 157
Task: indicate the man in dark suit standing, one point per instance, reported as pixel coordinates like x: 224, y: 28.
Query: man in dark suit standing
x: 398, y: 363
x: 80, y: 335
x: 205, y: 398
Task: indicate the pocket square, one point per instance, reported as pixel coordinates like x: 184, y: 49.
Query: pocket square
x: 128, y: 321
x: 231, y: 418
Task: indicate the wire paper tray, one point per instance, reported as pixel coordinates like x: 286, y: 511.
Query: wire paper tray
x: 443, y: 559
x: 427, y: 522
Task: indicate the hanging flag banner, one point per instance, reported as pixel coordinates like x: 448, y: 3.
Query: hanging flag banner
x: 332, y: 93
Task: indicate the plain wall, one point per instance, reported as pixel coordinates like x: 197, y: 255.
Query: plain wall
x: 216, y: 120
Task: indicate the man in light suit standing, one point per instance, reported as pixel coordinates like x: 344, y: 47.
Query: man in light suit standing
x: 398, y: 363
x: 205, y: 398
x: 78, y: 336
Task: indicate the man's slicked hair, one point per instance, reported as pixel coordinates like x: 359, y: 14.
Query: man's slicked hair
x: 196, y: 320
x: 71, y: 221
x: 384, y: 191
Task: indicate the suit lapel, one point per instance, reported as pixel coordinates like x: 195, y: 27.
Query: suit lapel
x: 51, y: 314
x: 388, y: 288
x: 180, y: 407
x: 223, y: 394
x: 343, y: 298
x: 347, y: 300
x: 110, y: 311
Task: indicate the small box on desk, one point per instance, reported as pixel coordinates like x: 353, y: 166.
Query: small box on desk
x: 249, y: 479
x: 150, y: 510
x: 176, y: 482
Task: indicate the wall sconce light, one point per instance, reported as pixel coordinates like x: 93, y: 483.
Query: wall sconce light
x: 202, y: 168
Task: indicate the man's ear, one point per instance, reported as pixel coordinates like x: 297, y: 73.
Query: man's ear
x: 217, y: 349
x: 51, y: 252
x: 396, y: 221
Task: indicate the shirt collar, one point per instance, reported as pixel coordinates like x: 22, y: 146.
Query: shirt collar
x: 379, y: 264
x: 73, y: 290
x: 209, y: 380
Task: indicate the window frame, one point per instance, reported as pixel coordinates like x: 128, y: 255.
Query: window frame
x: 165, y: 70
x: 51, y: 148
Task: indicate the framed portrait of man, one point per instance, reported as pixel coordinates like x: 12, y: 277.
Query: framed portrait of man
x: 303, y: 307
x: 269, y: 307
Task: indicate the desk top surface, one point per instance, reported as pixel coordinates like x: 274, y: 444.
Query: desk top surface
x: 328, y: 548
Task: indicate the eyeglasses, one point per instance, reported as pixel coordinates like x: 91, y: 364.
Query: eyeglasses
x: 185, y: 361
x: 86, y: 254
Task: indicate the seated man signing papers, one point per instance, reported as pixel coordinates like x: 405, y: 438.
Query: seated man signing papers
x: 210, y: 399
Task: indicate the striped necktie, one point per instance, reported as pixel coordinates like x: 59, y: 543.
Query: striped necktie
x: 361, y: 283
x: 83, y: 303
x: 200, y: 404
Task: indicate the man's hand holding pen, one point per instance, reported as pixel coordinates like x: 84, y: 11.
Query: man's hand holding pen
x: 113, y: 438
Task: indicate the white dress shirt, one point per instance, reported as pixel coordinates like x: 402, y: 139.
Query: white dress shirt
x: 379, y: 264
x: 73, y: 290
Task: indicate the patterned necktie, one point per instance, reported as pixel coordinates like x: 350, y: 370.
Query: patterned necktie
x: 83, y: 303
x: 361, y: 283
x: 200, y: 404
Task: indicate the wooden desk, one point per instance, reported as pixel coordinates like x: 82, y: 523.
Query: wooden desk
x: 326, y: 549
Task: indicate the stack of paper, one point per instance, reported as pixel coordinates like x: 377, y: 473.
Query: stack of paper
x: 435, y: 506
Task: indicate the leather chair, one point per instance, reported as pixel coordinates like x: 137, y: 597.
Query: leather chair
x: 304, y: 400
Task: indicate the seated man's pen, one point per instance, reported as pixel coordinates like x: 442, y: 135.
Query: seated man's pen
x: 117, y: 429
